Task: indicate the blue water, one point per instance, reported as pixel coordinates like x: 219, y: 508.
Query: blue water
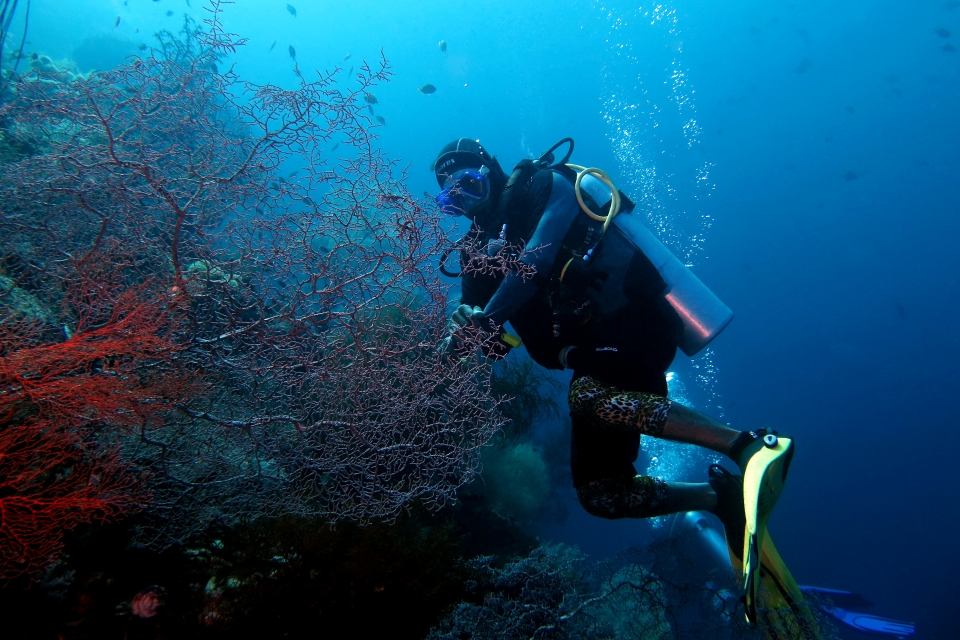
x: 802, y: 156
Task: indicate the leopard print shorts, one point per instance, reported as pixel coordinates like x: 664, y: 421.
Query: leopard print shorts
x: 606, y: 406
x: 623, y: 497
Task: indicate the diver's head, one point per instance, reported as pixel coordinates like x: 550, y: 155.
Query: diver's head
x: 470, y: 179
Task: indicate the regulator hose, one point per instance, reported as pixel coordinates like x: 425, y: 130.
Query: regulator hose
x: 601, y: 175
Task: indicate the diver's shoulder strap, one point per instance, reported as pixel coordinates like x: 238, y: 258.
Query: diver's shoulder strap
x: 522, y: 173
x: 566, y: 172
x: 522, y: 202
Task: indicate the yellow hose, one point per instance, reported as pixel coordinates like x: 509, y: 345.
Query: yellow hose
x: 601, y: 175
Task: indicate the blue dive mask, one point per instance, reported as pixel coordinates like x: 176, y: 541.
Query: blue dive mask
x: 463, y: 190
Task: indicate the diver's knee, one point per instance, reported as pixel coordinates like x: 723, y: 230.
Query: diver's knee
x: 615, y: 498
x: 595, y: 502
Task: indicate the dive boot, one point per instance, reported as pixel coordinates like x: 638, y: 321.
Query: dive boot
x: 765, y: 462
x: 729, y: 490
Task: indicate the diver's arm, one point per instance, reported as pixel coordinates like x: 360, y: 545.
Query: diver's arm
x: 477, y: 289
x: 544, y: 246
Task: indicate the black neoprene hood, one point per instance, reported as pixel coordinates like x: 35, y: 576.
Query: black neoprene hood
x: 462, y: 154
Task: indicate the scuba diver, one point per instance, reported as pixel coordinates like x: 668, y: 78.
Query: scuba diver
x: 610, y: 302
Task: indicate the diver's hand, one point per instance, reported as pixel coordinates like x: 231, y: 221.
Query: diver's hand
x: 460, y: 319
x: 467, y: 315
x: 465, y: 320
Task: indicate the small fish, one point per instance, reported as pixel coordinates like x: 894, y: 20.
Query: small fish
x: 443, y: 46
x: 849, y: 176
x: 142, y: 46
x: 381, y: 120
x: 292, y: 51
x: 188, y: 5
x: 346, y: 57
x: 949, y: 48
x: 953, y: 4
x: 350, y: 73
x: 116, y: 23
x: 370, y: 108
x: 427, y: 89
x: 334, y: 147
x: 292, y: 9
x: 293, y: 174
x: 272, y: 46
x: 169, y: 12
x: 943, y: 32
x: 370, y: 98
x: 34, y: 56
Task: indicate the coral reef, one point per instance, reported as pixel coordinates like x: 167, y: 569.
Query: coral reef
x: 554, y: 593
x: 307, y: 310
x: 298, y: 574
x: 664, y: 590
x: 534, y: 596
x: 288, y: 576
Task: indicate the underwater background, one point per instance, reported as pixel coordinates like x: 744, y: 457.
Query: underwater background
x: 801, y: 157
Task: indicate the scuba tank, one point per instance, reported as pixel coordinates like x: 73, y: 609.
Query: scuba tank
x: 714, y: 542
x: 702, y: 313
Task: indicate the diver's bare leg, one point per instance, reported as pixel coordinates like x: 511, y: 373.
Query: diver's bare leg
x: 644, y: 497
x: 692, y: 427
x: 651, y: 415
x: 689, y: 496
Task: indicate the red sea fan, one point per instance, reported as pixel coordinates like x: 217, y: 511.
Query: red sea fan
x: 58, y: 401
x: 50, y: 482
